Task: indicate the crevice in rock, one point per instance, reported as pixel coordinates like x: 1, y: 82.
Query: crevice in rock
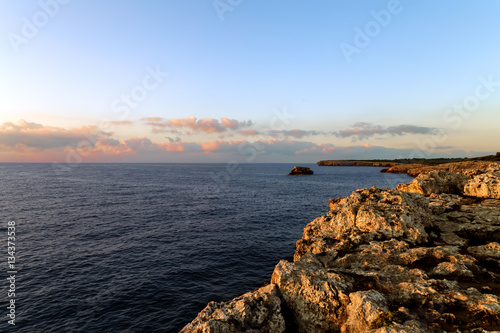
x: 434, y: 237
x: 426, y: 263
x: 490, y: 265
x: 479, y: 237
x: 287, y: 313
x: 363, y: 282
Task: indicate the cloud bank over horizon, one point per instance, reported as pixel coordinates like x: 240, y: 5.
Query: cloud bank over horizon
x: 24, y: 141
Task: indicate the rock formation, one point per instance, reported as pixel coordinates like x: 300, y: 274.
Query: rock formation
x: 300, y: 171
x: 422, y: 258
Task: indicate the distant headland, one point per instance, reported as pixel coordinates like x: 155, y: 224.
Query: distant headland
x: 415, y: 166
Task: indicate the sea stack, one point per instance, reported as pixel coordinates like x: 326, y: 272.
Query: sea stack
x: 298, y: 170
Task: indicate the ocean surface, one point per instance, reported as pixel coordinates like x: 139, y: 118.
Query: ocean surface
x: 144, y: 247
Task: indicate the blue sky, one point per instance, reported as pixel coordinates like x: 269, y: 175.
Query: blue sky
x: 256, y: 59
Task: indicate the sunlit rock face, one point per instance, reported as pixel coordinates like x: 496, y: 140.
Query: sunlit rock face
x: 258, y: 311
x: 486, y: 185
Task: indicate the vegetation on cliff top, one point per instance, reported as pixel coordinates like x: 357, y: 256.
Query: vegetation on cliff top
x: 425, y: 161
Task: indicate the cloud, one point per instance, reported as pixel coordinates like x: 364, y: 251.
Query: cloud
x: 22, y: 135
x: 270, y: 150
x: 294, y: 133
x: 177, y: 139
x: 105, y: 147
x: 194, y: 125
x: 152, y: 119
x: 249, y: 132
x: 364, y: 130
x: 444, y: 147
x: 119, y: 122
x: 211, y: 145
x: 304, y: 151
x: 234, y: 124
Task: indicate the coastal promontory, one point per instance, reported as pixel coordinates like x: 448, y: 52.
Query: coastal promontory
x: 424, y: 257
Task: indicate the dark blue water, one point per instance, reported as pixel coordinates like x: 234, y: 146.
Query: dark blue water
x: 144, y: 247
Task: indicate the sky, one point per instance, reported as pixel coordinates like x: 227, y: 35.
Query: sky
x: 245, y: 81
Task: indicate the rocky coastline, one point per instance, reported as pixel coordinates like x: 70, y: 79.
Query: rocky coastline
x: 424, y: 257
x: 413, y: 170
x: 384, y: 164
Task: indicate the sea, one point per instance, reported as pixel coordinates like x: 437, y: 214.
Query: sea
x: 145, y: 247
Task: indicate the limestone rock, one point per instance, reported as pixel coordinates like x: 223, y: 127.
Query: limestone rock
x: 300, y: 171
x: 486, y: 185
x: 490, y: 250
x: 363, y: 310
x: 315, y: 296
x: 258, y: 311
x: 366, y: 215
x: 469, y: 168
x: 404, y: 168
x: 436, y: 182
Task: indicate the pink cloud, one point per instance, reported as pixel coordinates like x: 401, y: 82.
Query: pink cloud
x: 152, y: 119
x: 210, y: 146
x: 195, y: 125
x: 111, y: 147
x: 120, y: 122
x: 326, y: 148
x: 303, y: 151
x: 23, y: 134
x: 249, y: 132
x: 230, y: 123
x: 172, y: 146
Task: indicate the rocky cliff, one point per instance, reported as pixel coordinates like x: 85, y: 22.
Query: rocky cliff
x: 422, y: 258
x: 470, y: 167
